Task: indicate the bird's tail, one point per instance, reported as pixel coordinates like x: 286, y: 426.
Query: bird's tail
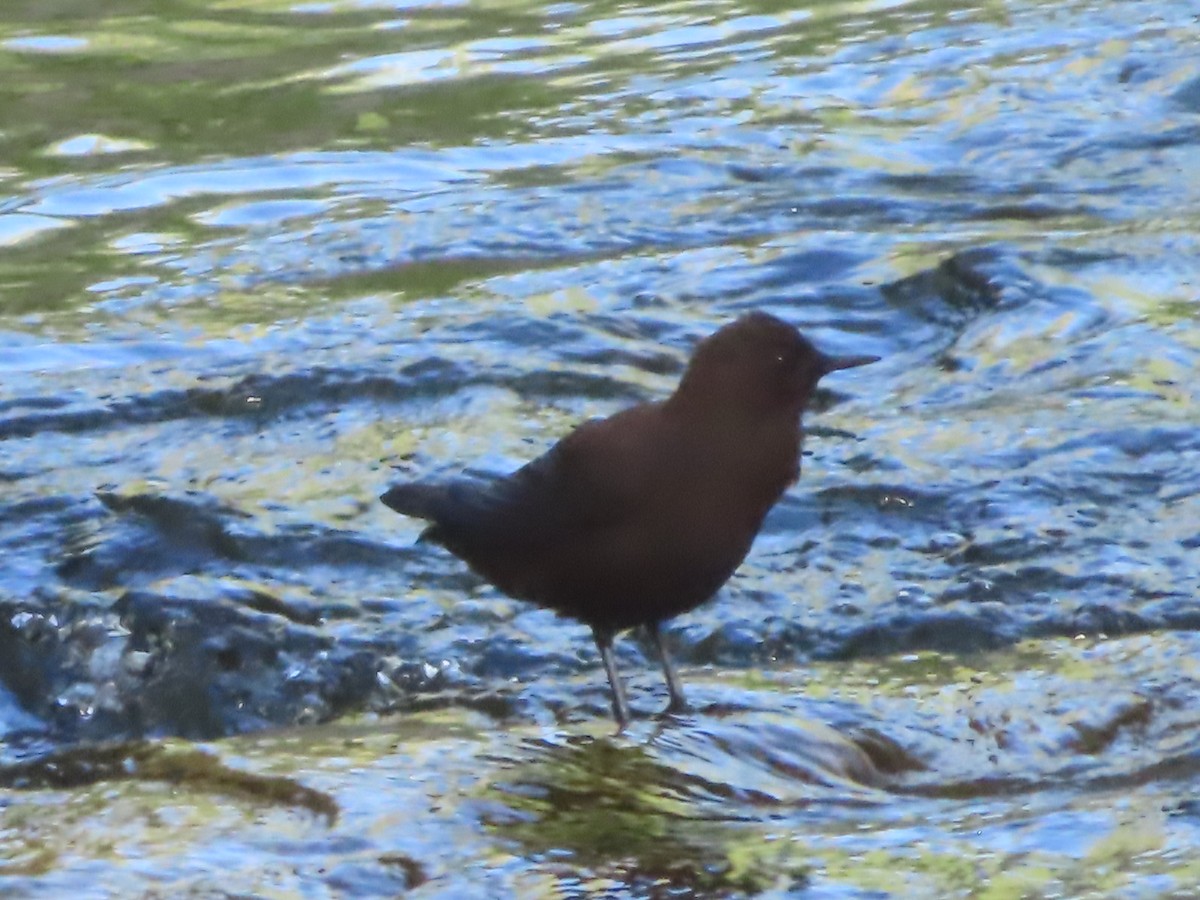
x: 422, y: 501
x: 459, y: 510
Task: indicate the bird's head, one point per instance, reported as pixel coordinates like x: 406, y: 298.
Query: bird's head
x: 758, y: 365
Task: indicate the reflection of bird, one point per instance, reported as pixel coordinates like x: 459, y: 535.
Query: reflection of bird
x: 633, y: 519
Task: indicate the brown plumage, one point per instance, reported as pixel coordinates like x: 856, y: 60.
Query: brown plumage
x: 633, y: 519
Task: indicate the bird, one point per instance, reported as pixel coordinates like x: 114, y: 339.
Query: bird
x: 630, y: 520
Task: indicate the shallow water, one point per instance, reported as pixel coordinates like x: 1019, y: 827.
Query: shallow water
x: 1027, y: 772
x: 253, y: 255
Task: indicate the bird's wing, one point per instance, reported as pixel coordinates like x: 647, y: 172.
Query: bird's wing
x: 591, y: 479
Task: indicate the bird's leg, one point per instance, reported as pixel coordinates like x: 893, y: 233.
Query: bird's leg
x: 677, y: 703
x: 604, y: 640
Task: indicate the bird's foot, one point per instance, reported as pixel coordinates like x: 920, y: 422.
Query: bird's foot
x: 621, y: 719
x: 677, y: 707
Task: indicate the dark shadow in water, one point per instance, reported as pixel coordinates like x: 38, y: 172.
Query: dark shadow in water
x: 679, y: 804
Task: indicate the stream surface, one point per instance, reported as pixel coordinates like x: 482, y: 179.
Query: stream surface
x: 260, y: 258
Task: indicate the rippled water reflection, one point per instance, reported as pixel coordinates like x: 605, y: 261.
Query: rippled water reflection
x: 255, y: 254
x: 1027, y: 772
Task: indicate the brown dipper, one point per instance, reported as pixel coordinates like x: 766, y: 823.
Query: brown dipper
x: 636, y: 518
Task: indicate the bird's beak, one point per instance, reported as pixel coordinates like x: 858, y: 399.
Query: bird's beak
x: 834, y: 363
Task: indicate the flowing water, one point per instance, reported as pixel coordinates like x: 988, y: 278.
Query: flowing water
x: 260, y: 258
